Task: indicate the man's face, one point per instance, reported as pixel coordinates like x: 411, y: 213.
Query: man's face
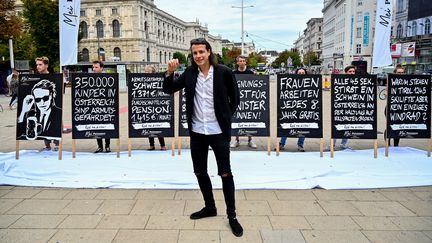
x: 351, y: 71
x: 97, y: 68
x: 241, y: 62
x: 41, y: 67
x: 43, y: 99
x: 200, y: 54
x: 301, y: 72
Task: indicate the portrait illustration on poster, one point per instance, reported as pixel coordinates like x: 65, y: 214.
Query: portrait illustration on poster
x: 39, y: 113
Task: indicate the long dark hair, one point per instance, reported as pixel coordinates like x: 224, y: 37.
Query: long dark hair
x: 203, y: 41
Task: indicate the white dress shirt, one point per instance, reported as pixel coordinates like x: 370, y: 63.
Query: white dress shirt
x: 204, y: 118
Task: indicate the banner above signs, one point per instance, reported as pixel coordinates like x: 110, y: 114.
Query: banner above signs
x: 299, y: 103
x: 95, y: 105
x: 354, y: 106
x: 383, y: 22
x: 151, y: 111
x: 69, y: 20
x: 409, y: 106
x: 252, y: 117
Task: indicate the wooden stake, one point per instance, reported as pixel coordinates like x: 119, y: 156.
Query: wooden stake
x: 60, y: 152
x: 331, y: 148
x: 129, y: 147
x: 73, y: 148
x: 173, y: 147
x: 277, y: 147
x: 118, y: 148
x: 430, y: 147
x: 179, y: 145
x: 376, y: 148
x: 17, y: 150
x: 268, y: 146
x: 386, y: 147
x: 321, y: 148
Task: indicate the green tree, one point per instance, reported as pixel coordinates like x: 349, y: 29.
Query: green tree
x: 181, y: 57
x: 283, y: 57
x: 10, y: 25
x: 229, y: 56
x: 311, y: 59
x: 254, y: 59
x: 41, y: 19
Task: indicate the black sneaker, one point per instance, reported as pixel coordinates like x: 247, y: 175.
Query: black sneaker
x: 236, y: 228
x: 98, y: 150
x: 107, y: 150
x: 204, y: 213
x: 300, y: 148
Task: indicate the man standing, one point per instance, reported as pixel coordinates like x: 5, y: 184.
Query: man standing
x: 98, y: 67
x: 42, y: 64
x: 242, y: 69
x: 212, y: 96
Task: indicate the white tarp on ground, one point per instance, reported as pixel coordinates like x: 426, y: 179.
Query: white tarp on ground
x: 252, y: 170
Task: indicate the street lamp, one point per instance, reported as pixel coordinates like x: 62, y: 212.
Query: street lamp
x: 242, y: 26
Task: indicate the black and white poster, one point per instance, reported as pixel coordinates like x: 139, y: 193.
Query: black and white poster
x: 95, y: 105
x: 252, y: 117
x: 409, y: 106
x: 39, y: 114
x: 354, y: 106
x: 151, y: 111
x: 183, y: 125
x: 299, y: 103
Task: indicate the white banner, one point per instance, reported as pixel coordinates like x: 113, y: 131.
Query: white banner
x: 69, y: 17
x: 381, y: 52
x: 151, y: 125
x: 299, y: 125
x: 409, y: 127
x: 343, y: 127
x: 248, y: 125
x: 95, y: 127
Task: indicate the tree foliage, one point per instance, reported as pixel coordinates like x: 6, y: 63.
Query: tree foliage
x: 254, y: 59
x: 229, y: 56
x: 181, y: 57
x: 41, y: 19
x: 10, y: 23
x: 311, y: 59
x: 283, y: 57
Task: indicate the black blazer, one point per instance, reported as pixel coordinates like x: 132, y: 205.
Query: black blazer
x: 225, y: 92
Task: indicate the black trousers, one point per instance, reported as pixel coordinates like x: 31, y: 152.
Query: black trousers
x: 161, y: 141
x: 199, y: 144
x: 107, y: 143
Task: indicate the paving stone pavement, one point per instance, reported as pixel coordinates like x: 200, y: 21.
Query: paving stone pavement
x: 31, y: 214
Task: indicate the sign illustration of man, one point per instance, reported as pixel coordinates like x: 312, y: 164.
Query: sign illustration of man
x: 39, y: 112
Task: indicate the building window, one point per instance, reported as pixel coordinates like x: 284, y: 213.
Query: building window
x: 160, y: 56
x: 85, y: 55
x: 101, y: 54
x: 98, y: 12
x: 82, y: 13
x: 145, y: 13
x: 358, y: 49
x: 359, y: 2
x: 83, y: 30
x: 414, y: 28
x: 148, y: 54
x: 165, y: 57
x: 399, y: 31
x: 114, y: 11
x: 116, y: 28
x: 359, y: 32
x: 400, y: 5
x: 427, y: 27
x: 117, y: 53
x: 99, y: 29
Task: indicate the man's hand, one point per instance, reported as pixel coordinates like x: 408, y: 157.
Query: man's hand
x: 27, y: 104
x: 172, y: 65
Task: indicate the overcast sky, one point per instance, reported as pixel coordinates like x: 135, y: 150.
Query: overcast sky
x: 271, y: 24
